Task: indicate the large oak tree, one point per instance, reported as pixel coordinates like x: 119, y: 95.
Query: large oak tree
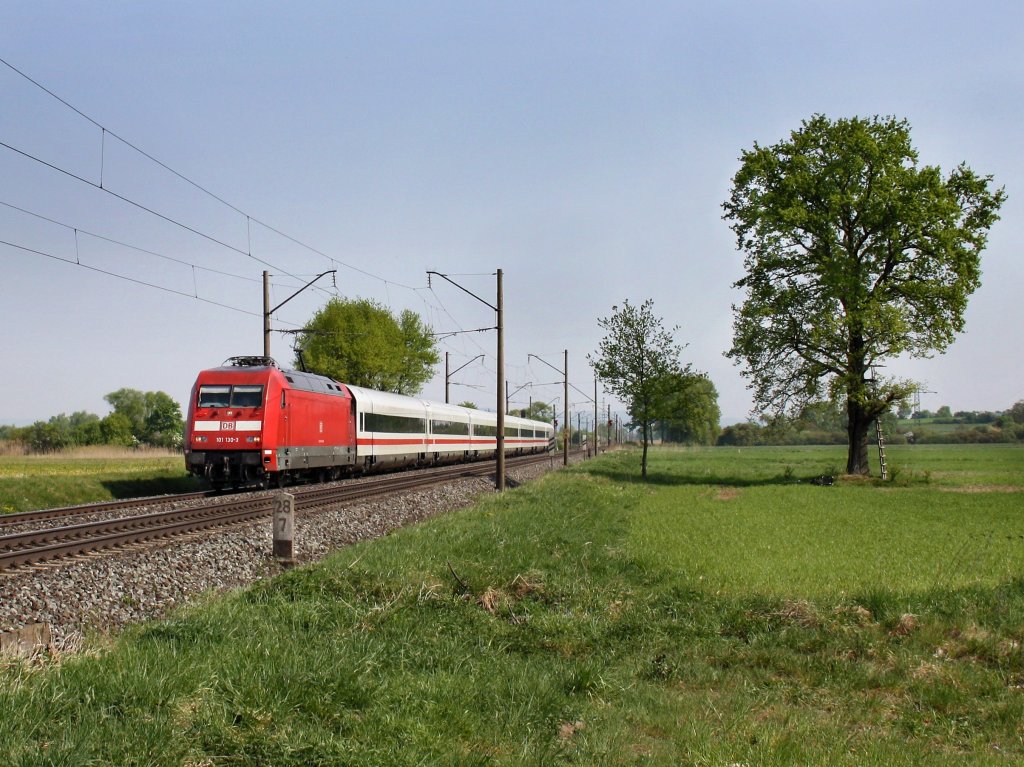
x: 854, y: 254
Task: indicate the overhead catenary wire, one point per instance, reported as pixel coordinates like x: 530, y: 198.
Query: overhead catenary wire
x: 108, y: 183
x: 249, y: 218
x: 126, y: 278
x: 113, y: 241
x: 78, y: 262
x: 103, y: 185
x: 140, y: 206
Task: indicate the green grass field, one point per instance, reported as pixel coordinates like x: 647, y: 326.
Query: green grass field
x: 725, y: 613
x: 103, y: 474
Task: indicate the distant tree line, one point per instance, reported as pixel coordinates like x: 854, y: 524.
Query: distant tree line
x: 138, y: 418
x: 823, y: 423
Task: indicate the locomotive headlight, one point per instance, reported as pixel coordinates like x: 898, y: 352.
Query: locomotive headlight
x: 201, y: 439
x: 252, y: 439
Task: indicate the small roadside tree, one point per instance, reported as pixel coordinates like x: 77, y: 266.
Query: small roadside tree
x: 635, y: 362
x: 854, y: 254
x: 361, y: 343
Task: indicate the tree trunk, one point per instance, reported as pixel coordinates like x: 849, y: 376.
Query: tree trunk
x: 857, y: 433
x: 643, y: 462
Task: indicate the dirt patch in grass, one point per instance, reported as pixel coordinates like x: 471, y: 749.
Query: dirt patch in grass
x: 799, y: 612
x: 727, y: 494
x: 855, y: 479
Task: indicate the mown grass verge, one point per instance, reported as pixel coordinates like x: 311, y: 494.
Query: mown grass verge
x: 584, y: 619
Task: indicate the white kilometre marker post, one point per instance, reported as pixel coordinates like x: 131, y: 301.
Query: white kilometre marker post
x: 284, y: 528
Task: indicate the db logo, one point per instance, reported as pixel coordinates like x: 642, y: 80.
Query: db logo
x: 227, y: 425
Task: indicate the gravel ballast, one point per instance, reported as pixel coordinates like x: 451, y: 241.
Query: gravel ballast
x: 109, y: 590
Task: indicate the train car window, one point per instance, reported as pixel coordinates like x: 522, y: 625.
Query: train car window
x: 395, y: 424
x: 511, y: 431
x: 214, y: 396
x: 449, y: 427
x: 246, y: 396
x: 483, y: 430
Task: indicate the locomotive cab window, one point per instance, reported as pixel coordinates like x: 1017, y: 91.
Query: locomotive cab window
x: 230, y: 396
x: 247, y: 396
x: 214, y: 396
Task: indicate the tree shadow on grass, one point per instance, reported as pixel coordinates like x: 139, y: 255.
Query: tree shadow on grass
x: 662, y: 479
x: 142, y: 488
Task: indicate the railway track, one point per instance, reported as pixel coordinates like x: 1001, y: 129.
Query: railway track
x: 36, y: 546
x: 23, y: 517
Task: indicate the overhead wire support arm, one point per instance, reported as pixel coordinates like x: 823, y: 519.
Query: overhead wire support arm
x: 566, y: 427
x: 329, y: 271
x: 461, y: 332
x: 539, y: 359
x: 588, y: 397
x: 499, y: 309
x: 477, y: 357
x: 508, y: 397
x: 448, y: 375
x: 464, y: 290
x: 267, y: 311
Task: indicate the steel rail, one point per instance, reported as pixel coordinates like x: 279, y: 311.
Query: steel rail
x: 21, y: 517
x: 75, y: 546
x: 43, y: 545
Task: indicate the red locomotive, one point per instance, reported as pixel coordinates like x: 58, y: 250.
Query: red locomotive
x: 250, y: 422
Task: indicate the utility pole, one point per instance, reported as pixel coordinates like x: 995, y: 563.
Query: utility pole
x: 508, y: 396
x: 447, y: 375
x: 266, y: 314
x: 499, y: 309
x: 568, y: 423
x: 597, y: 440
x: 267, y: 311
x: 566, y: 426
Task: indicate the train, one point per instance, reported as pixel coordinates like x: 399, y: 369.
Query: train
x: 253, y: 423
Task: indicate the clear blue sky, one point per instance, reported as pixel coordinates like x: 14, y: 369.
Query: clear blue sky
x: 584, y: 148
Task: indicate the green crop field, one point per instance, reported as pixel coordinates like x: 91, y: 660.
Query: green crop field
x: 727, y: 612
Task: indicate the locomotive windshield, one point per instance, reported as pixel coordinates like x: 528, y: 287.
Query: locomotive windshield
x: 230, y: 396
x: 246, y: 396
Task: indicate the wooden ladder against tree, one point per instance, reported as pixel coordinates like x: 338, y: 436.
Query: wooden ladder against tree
x: 881, y: 448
